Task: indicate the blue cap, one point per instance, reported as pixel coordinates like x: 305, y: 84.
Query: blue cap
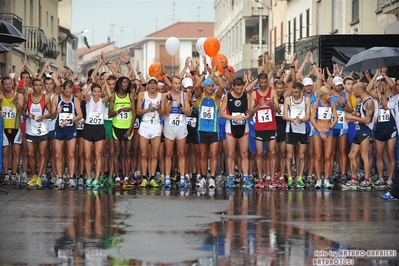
x: 208, y: 81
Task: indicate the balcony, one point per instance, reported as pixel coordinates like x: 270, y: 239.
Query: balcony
x: 36, y: 41
x: 250, y: 55
x: 52, y: 50
x: 12, y: 19
x: 389, y: 6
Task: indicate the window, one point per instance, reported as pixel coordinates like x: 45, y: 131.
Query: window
x: 307, y: 22
x: 289, y: 35
x: 52, y: 26
x: 300, y: 25
x: 294, y: 32
x: 355, y: 11
x: 334, y: 15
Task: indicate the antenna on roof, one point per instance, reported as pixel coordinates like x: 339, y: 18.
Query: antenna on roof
x: 173, y: 13
x: 198, y: 17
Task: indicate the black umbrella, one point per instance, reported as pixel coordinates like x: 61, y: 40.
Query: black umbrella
x: 373, y: 58
x: 3, y: 49
x: 10, y: 34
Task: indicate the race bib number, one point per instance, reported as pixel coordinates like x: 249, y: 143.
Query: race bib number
x: 38, y: 128
x: 136, y: 123
x: 151, y: 117
x: 265, y: 116
x: 324, y: 113
x: 65, y: 117
x: 80, y: 125
x: 234, y: 122
x: 123, y: 116
x: 9, y: 112
x: 207, y: 112
x: 281, y: 110
x: 297, y: 114
x: 192, y: 121
x: 175, y: 120
x: 341, y: 117
x: 384, y: 115
x: 96, y: 118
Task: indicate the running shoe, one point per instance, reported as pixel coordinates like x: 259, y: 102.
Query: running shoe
x: 182, y: 183
x: 201, y: 182
x: 80, y: 181
x: 318, y: 184
x: 266, y: 183
x: 44, y: 180
x: 154, y: 183
x: 89, y: 182
x: 144, y: 182
x: 230, y: 183
x: 389, y: 183
x: 167, y: 183
x: 300, y: 183
x: 326, y: 184
x: 110, y: 182
x: 72, y: 184
x: 350, y: 185
x: 259, y: 183
x: 388, y: 196
x: 32, y: 181
x: 282, y: 183
x: 247, y: 183
x: 24, y: 178
x: 6, y: 179
x: 364, y: 185
x: 309, y: 181
x: 380, y: 184
x: 95, y: 184
x: 290, y: 182
x: 14, y: 179
x: 211, y: 183
x: 59, y: 183
x: 101, y: 179
x: 118, y: 183
x: 273, y: 184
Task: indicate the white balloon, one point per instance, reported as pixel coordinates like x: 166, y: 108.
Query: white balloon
x: 172, y: 45
x: 200, y: 46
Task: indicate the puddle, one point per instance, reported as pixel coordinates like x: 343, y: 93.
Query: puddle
x: 227, y: 228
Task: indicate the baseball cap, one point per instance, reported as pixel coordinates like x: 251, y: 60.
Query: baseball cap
x: 338, y: 81
x: 161, y: 84
x: 307, y: 81
x: 77, y: 88
x: 187, y: 82
x: 208, y: 81
x: 152, y: 79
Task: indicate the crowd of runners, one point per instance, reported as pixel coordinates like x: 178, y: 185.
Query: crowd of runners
x: 206, y: 127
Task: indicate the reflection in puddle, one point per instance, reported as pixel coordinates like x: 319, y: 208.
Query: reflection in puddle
x: 232, y: 227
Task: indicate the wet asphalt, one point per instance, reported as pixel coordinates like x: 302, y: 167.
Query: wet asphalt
x: 196, y: 227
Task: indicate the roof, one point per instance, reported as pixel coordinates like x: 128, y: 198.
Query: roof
x: 193, y: 30
x: 85, y: 50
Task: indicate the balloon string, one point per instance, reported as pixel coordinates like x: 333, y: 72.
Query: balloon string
x: 172, y: 63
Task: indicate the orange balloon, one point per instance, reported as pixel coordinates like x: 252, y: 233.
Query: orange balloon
x: 153, y: 70
x: 218, y: 58
x: 211, y: 46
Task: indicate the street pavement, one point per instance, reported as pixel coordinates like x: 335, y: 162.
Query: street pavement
x: 190, y: 227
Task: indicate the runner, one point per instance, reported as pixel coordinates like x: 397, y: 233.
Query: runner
x: 149, y: 107
x: 66, y: 109
x: 121, y: 110
x: 234, y: 109
x: 208, y: 103
x: 296, y: 113
x: 94, y: 130
x: 363, y: 118
x: 264, y: 102
x: 175, y: 108
x: 11, y: 103
x: 323, y: 118
x: 37, y: 108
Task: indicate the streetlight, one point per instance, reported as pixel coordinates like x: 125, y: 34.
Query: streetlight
x: 260, y: 22
x: 84, y: 37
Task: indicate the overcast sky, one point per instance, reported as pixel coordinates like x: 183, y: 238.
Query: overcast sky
x: 128, y: 21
